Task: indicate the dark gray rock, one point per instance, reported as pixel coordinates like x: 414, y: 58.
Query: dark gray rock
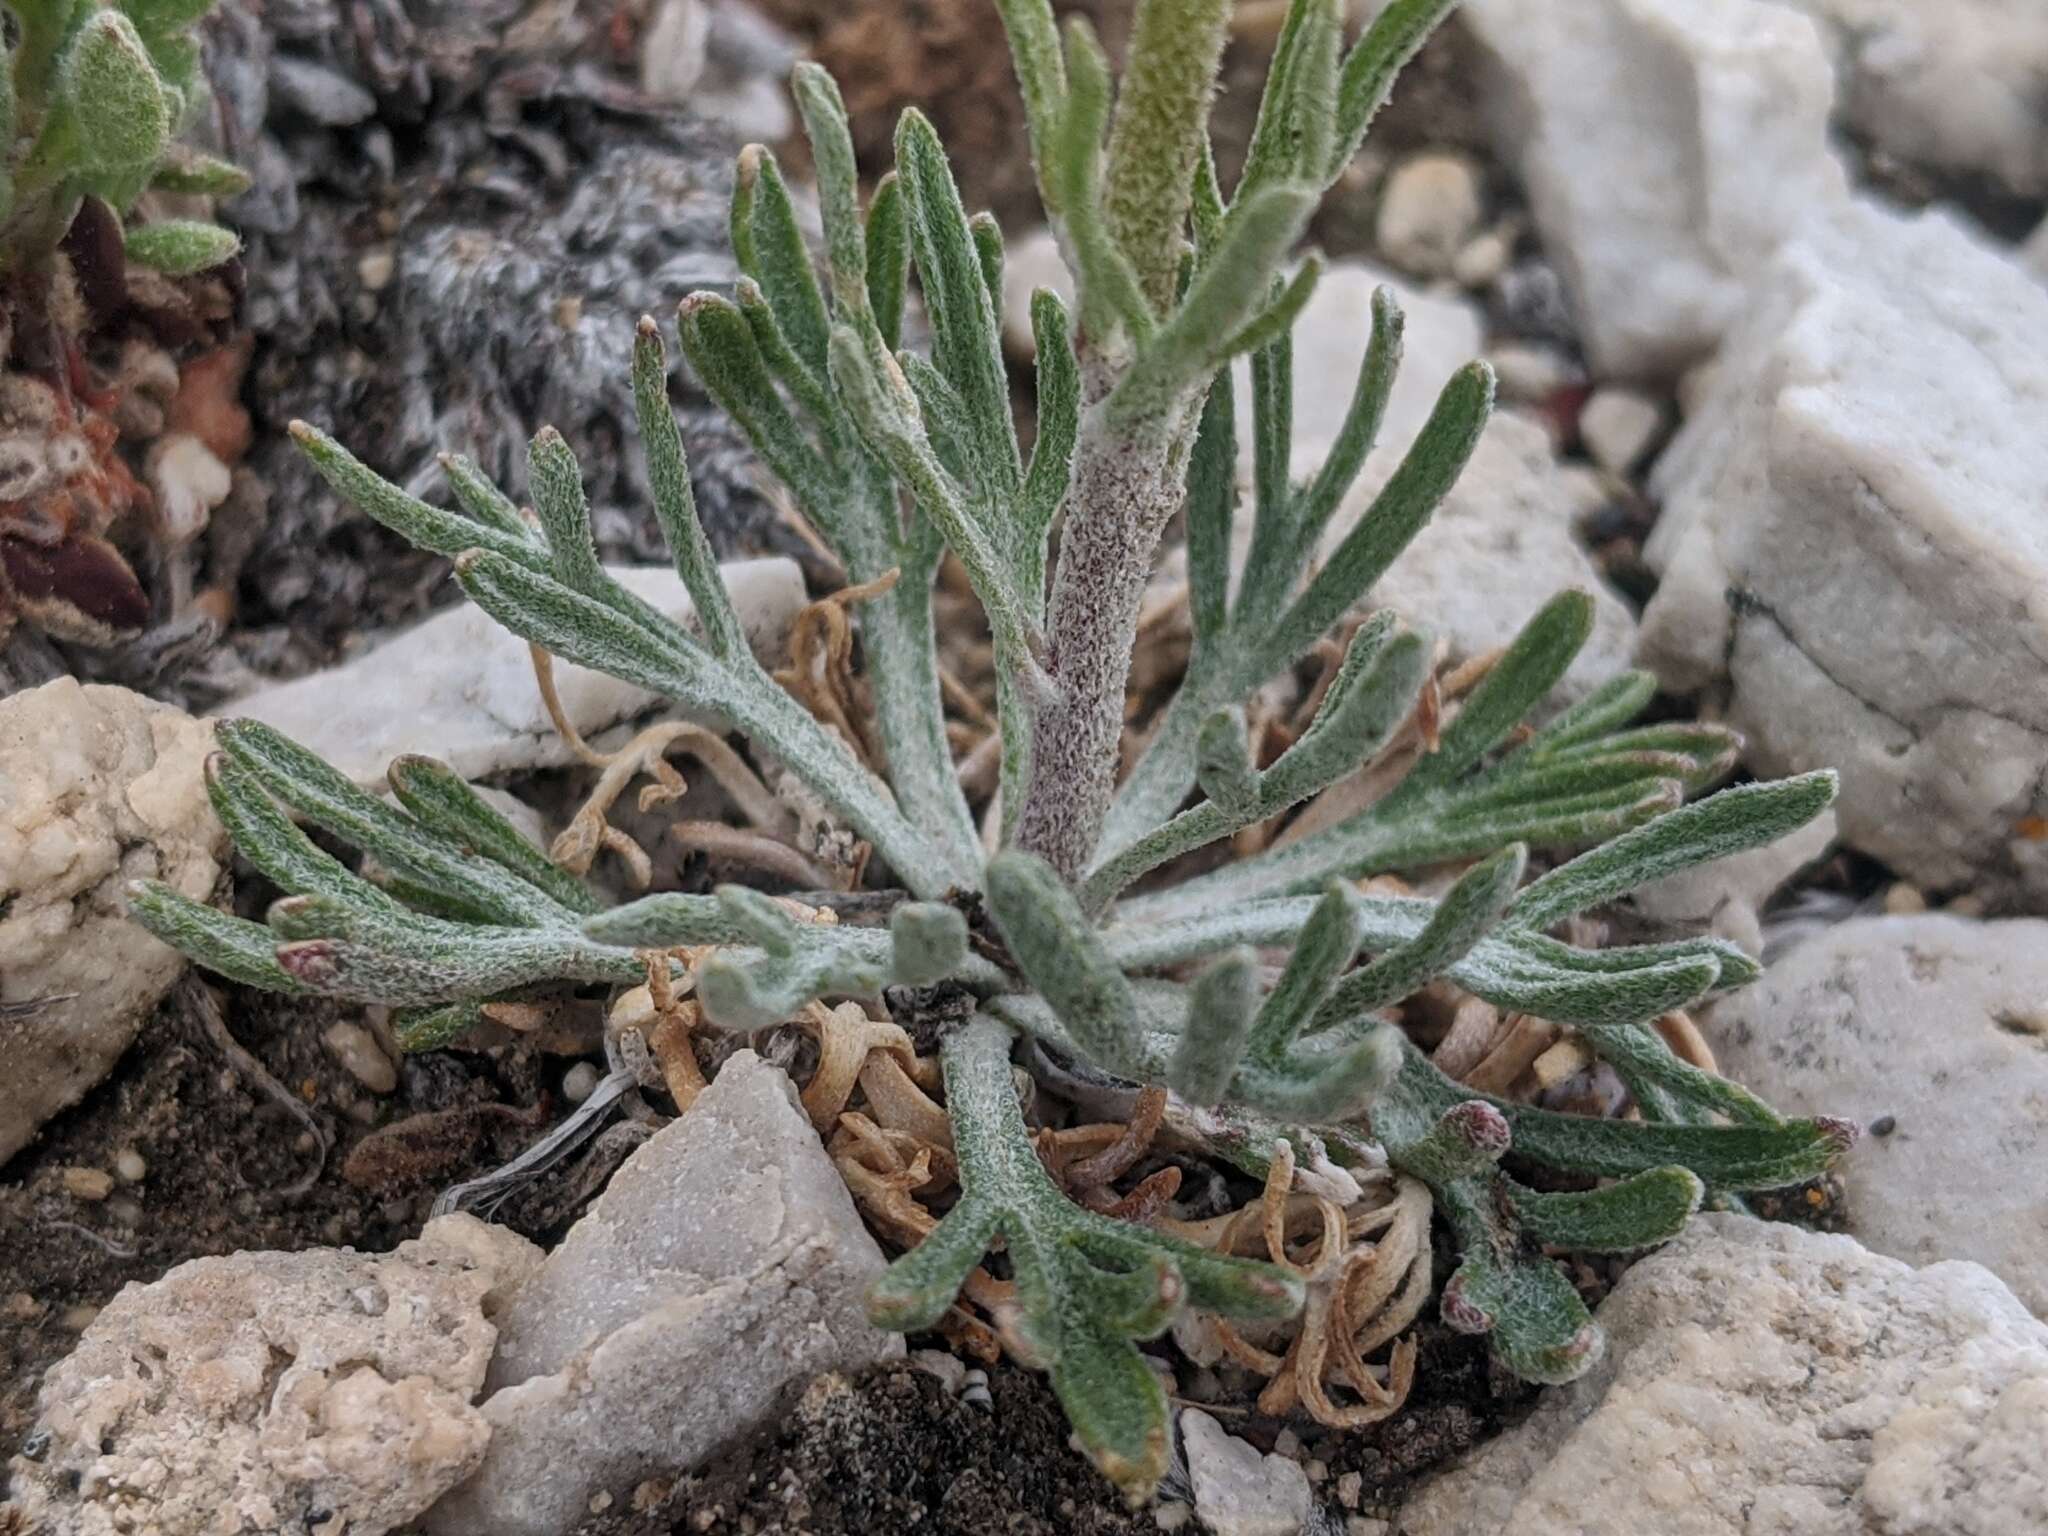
x: 452, y: 269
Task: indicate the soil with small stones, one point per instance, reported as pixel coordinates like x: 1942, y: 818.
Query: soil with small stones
x: 222, y: 1161
x: 223, y: 1168
x: 894, y: 1449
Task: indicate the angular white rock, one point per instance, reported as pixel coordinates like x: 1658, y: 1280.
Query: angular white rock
x: 1762, y: 1380
x: 1940, y: 1023
x: 1431, y: 205
x: 1238, y: 1491
x: 258, y: 1391
x: 1503, y: 543
x: 1853, y: 536
x: 460, y: 687
x: 724, y: 1260
x: 1954, y: 85
x: 1667, y: 148
x: 98, y: 786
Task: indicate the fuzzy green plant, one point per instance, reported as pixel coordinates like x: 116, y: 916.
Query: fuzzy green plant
x: 1113, y: 969
x: 91, y: 102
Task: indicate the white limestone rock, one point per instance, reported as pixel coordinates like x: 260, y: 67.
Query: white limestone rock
x: 1952, y: 85
x: 275, y: 1391
x: 1853, y: 538
x: 460, y: 687
x: 98, y: 786
x: 1667, y: 148
x: 1238, y: 1490
x: 1941, y: 1025
x: 1767, y: 1381
x: 724, y: 1261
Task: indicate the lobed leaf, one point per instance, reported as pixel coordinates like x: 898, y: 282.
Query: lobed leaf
x: 1086, y: 1285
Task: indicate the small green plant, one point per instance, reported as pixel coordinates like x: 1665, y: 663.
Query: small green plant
x: 897, y: 457
x: 91, y: 102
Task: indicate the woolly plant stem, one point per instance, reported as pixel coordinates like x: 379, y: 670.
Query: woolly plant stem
x: 1126, y: 486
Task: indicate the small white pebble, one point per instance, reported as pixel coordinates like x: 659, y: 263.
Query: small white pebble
x: 950, y: 1369
x: 124, y: 1211
x: 1528, y: 372
x: 358, y: 1052
x: 1287, y: 1443
x: 1618, y: 426
x: 974, y: 1390
x: 129, y: 1166
x: 600, y: 1502
x: 1902, y: 900
x: 1350, y: 1489
x: 1318, y: 1470
x: 1429, y: 208
x: 580, y: 1082
x: 1483, y: 258
x: 374, y: 269
x: 79, y: 1318
x: 88, y: 1183
x: 1171, y: 1517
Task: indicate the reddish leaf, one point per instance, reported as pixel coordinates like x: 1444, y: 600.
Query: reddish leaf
x: 80, y: 588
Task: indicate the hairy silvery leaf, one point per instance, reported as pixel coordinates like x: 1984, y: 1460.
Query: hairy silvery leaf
x: 1087, y: 1285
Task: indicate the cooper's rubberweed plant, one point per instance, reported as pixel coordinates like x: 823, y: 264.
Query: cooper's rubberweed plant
x: 899, y: 456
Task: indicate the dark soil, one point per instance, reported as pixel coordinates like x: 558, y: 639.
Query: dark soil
x: 894, y: 1450
x: 222, y: 1162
